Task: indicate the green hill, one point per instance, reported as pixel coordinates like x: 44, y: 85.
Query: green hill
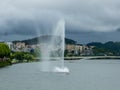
x: 108, y: 48
x: 42, y: 39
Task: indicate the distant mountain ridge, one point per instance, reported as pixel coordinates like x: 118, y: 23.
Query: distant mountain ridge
x: 108, y: 48
x: 43, y: 38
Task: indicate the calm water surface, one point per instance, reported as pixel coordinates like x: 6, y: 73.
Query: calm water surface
x: 84, y: 75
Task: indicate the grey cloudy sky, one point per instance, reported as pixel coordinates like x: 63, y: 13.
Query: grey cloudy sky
x: 19, y: 19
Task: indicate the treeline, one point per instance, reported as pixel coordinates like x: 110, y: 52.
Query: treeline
x: 109, y: 48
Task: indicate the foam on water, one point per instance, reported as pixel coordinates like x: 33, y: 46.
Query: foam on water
x: 61, y: 70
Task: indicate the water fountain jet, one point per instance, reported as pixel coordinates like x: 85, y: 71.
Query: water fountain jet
x: 52, y: 43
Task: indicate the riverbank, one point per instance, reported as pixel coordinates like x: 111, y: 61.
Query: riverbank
x: 5, y: 63
x: 85, y: 57
x: 92, y: 57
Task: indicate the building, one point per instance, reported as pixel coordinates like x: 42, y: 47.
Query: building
x: 10, y: 45
x: 74, y: 49
x: 78, y: 50
x: 19, y: 46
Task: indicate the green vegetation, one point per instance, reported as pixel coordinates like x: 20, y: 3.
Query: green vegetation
x: 17, y: 57
x: 5, y: 63
x: 4, y: 55
x: 4, y: 50
x: 7, y: 57
x: 70, y: 41
x: 37, y: 52
x: 109, y: 48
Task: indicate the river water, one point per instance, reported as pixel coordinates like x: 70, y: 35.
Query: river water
x: 84, y: 75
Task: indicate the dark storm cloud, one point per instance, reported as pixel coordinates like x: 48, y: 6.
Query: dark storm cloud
x: 28, y: 24
x: 87, y: 37
x: 23, y: 17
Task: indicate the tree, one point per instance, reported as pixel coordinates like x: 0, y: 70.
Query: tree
x: 19, y: 56
x: 4, y: 55
x: 66, y: 53
x: 4, y: 50
x: 37, y: 52
x: 28, y: 57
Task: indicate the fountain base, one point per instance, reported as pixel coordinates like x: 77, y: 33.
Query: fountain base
x: 61, y: 70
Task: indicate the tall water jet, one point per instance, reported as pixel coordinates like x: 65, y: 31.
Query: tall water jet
x: 52, y: 43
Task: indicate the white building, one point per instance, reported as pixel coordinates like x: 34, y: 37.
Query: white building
x: 10, y: 45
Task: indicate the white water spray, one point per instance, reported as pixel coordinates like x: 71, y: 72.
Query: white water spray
x: 52, y: 43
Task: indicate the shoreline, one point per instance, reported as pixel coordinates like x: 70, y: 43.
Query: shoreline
x: 91, y: 57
